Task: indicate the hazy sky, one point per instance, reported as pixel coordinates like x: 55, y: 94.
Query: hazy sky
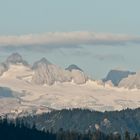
x: 97, y: 35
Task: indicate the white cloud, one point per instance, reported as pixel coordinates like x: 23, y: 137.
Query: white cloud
x: 68, y: 39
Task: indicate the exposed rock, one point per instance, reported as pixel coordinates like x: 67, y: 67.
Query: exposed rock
x: 131, y: 82
x: 115, y: 76
x: 73, y: 67
x: 14, y: 59
x: 48, y: 73
x: 3, y: 68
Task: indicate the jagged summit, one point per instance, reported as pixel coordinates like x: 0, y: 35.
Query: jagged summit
x: 15, y: 58
x: 73, y: 67
x: 48, y: 73
x: 42, y: 61
x: 48, y: 85
x: 43, y: 71
x: 115, y: 76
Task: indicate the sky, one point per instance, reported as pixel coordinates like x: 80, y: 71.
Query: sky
x: 93, y: 34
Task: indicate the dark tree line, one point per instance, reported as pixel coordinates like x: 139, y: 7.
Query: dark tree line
x: 80, y: 120
x: 18, y: 130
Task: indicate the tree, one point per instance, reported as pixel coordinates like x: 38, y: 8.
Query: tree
x: 127, y: 135
x: 136, y: 137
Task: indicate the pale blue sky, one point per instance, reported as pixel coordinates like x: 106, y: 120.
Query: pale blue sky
x: 35, y: 16
x: 19, y: 17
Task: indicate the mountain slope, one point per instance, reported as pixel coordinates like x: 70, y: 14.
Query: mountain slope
x: 48, y: 73
x: 73, y: 67
x: 14, y: 59
x: 3, y: 68
x: 115, y: 76
x: 131, y: 82
x: 83, y: 120
x: 69, y: 89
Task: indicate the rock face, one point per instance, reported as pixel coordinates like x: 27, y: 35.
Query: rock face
x: 73, y: 67
x: 115, y: 76
x: 48, y: 73
x: 3, y: 68
x: 77, y: 74
x: 131, y: 82
x: 78, y: 77
x: 41, y: 62
x: 14, y: 59
x: 44, y: 72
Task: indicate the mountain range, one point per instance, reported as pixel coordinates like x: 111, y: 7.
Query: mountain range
x: 44, y: 86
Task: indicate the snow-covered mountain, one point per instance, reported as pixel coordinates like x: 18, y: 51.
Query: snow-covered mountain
x: 44, y: 72
x: 14, y: 59
x: 115, y: 76
x: 46, y: 86
x: 131, y: 82
x: 48, y: 73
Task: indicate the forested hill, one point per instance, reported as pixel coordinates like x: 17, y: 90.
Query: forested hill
x: 85, y: 120
x: 20, y: 131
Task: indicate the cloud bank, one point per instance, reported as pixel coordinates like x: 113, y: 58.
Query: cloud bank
x: 68, y: 39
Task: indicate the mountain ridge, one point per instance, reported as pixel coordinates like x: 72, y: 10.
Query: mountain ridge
x: 46, y: 85
x: 44, y: 72
x: 115, y: 76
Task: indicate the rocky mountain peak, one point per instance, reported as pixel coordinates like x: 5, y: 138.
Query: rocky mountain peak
x: 115, y: 76
x: 73, y: 67
x: 15, y: 58
x: 42, y: 62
